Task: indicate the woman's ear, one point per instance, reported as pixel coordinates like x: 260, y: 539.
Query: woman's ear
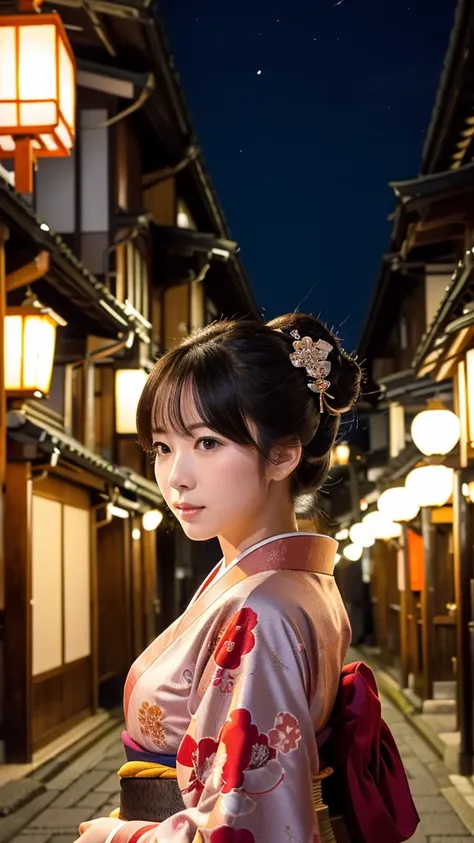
x: 284, y: 459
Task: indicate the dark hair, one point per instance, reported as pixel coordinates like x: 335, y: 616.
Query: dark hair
x: 239, y: 371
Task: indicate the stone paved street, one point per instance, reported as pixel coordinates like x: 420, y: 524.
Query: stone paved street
x: 89, y: 787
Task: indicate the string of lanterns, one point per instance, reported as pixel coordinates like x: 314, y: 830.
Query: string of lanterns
x: 435, y: 433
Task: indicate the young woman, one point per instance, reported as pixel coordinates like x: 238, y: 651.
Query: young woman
x: 241, y: 418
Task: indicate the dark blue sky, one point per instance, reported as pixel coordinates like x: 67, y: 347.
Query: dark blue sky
x: 301, y: 153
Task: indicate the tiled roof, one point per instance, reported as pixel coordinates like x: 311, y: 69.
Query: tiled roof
x: 84, y: 289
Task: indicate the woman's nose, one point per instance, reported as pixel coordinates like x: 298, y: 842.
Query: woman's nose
x: 181, y: 474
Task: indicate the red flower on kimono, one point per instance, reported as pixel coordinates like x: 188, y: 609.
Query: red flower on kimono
x: 250, y: 762
x: 225, y: 834
x: 237, y: 640
x: 285, y: 735
x: 199, y: 757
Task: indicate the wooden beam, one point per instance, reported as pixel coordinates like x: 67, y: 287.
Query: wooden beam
x: 4, y: 234
x: 18, y: 595
x: 29, y: 273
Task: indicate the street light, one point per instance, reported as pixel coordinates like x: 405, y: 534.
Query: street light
x: 436, y: 431
x: 129, y: 385
x: 430, y: 485
x: 398, y: 505
x: 37, y: 92
x: 30, y: 342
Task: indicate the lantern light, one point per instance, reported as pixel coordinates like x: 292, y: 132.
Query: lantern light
x: 337, y: 558
x: 37, y: 91
x: 353, y: 552
x: 436, y: 431
x: 360, y: 535
x: 129, y: 385
x: 341, y: 454
x: 381, y: 527
x: 430, y: 485
x: 117, y: 511
x: 342, y: 535
x: 30, y: 342
x: 152, y: 519
x: 136, y: 534
x: 398, y: 505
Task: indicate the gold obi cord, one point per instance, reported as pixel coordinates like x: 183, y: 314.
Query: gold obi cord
x: 148, y: 791
x: 146, y: 770
x: 326, y: 833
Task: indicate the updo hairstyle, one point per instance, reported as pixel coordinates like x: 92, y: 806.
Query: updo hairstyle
x: 240, y: 371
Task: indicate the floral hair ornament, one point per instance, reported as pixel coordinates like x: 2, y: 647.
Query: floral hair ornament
x: 312, y: 355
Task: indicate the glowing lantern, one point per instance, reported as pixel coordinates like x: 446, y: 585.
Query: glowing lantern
x: 436, y: 431
x: 129, y: 385
x: 37, y: 92
x: 397, y: 504
x: 430, y: 485
x: 152, y: 519
x: 30, y: 342
x: 353, y: 552
x: 341, y: 454
x: 381, y: 527
x: 360, y: 535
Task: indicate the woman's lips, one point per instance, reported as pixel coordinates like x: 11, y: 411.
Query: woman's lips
x: 186, y: 511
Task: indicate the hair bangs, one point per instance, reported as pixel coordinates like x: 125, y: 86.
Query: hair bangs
x: 193, y: 384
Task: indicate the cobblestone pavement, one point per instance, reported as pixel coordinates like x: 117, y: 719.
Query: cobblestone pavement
x: 89, y: 788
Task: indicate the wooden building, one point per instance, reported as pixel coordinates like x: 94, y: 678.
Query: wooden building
x: 416, y: 343
x: 125, y: 241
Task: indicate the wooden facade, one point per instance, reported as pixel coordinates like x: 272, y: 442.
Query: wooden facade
x: 135, y: 254
x: 417, y: 341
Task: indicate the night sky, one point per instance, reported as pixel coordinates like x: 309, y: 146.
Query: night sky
x: 305, y: 110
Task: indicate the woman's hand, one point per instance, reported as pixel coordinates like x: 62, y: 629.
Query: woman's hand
x: 97, y: 831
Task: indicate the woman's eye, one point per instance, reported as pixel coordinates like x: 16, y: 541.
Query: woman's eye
x: 208, y: 444
x: 161, y: 449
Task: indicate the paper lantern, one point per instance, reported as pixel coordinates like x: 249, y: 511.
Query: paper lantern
x: 430, y: 485
x: 381, y: 527
x: 353, y: 552
x: 129, y: 385
x: 152, y: 519
x: 360, y: 535
x: 37, y: 92
x: 436, y: 431
x: 398, y: 505
x: 30, y: 342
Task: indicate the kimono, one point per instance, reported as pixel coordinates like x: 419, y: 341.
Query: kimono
x: 238, y: 688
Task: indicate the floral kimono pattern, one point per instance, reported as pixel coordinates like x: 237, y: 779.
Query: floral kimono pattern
x: 237, y: 689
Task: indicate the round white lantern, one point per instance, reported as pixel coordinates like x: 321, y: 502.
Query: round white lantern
x: 360, y: 535
x: 152, y: 519
x: 398, y: 505
x: 353, y: 552
x: 436, y: 431
x: 381, y: 527
x: 430, y: 485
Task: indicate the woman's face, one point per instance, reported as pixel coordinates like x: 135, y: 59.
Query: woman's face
x: 214, y: 486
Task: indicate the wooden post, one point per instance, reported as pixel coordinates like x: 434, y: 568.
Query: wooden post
x: 4, y: 234
x: 463, y: 579
x: 404, y: 613
x: 18, y: 744
x: 427, y: 602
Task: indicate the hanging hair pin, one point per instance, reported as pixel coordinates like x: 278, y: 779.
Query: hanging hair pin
x: 312, y: 355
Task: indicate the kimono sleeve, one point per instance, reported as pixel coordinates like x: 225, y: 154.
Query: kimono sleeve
x: 245, y: 763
